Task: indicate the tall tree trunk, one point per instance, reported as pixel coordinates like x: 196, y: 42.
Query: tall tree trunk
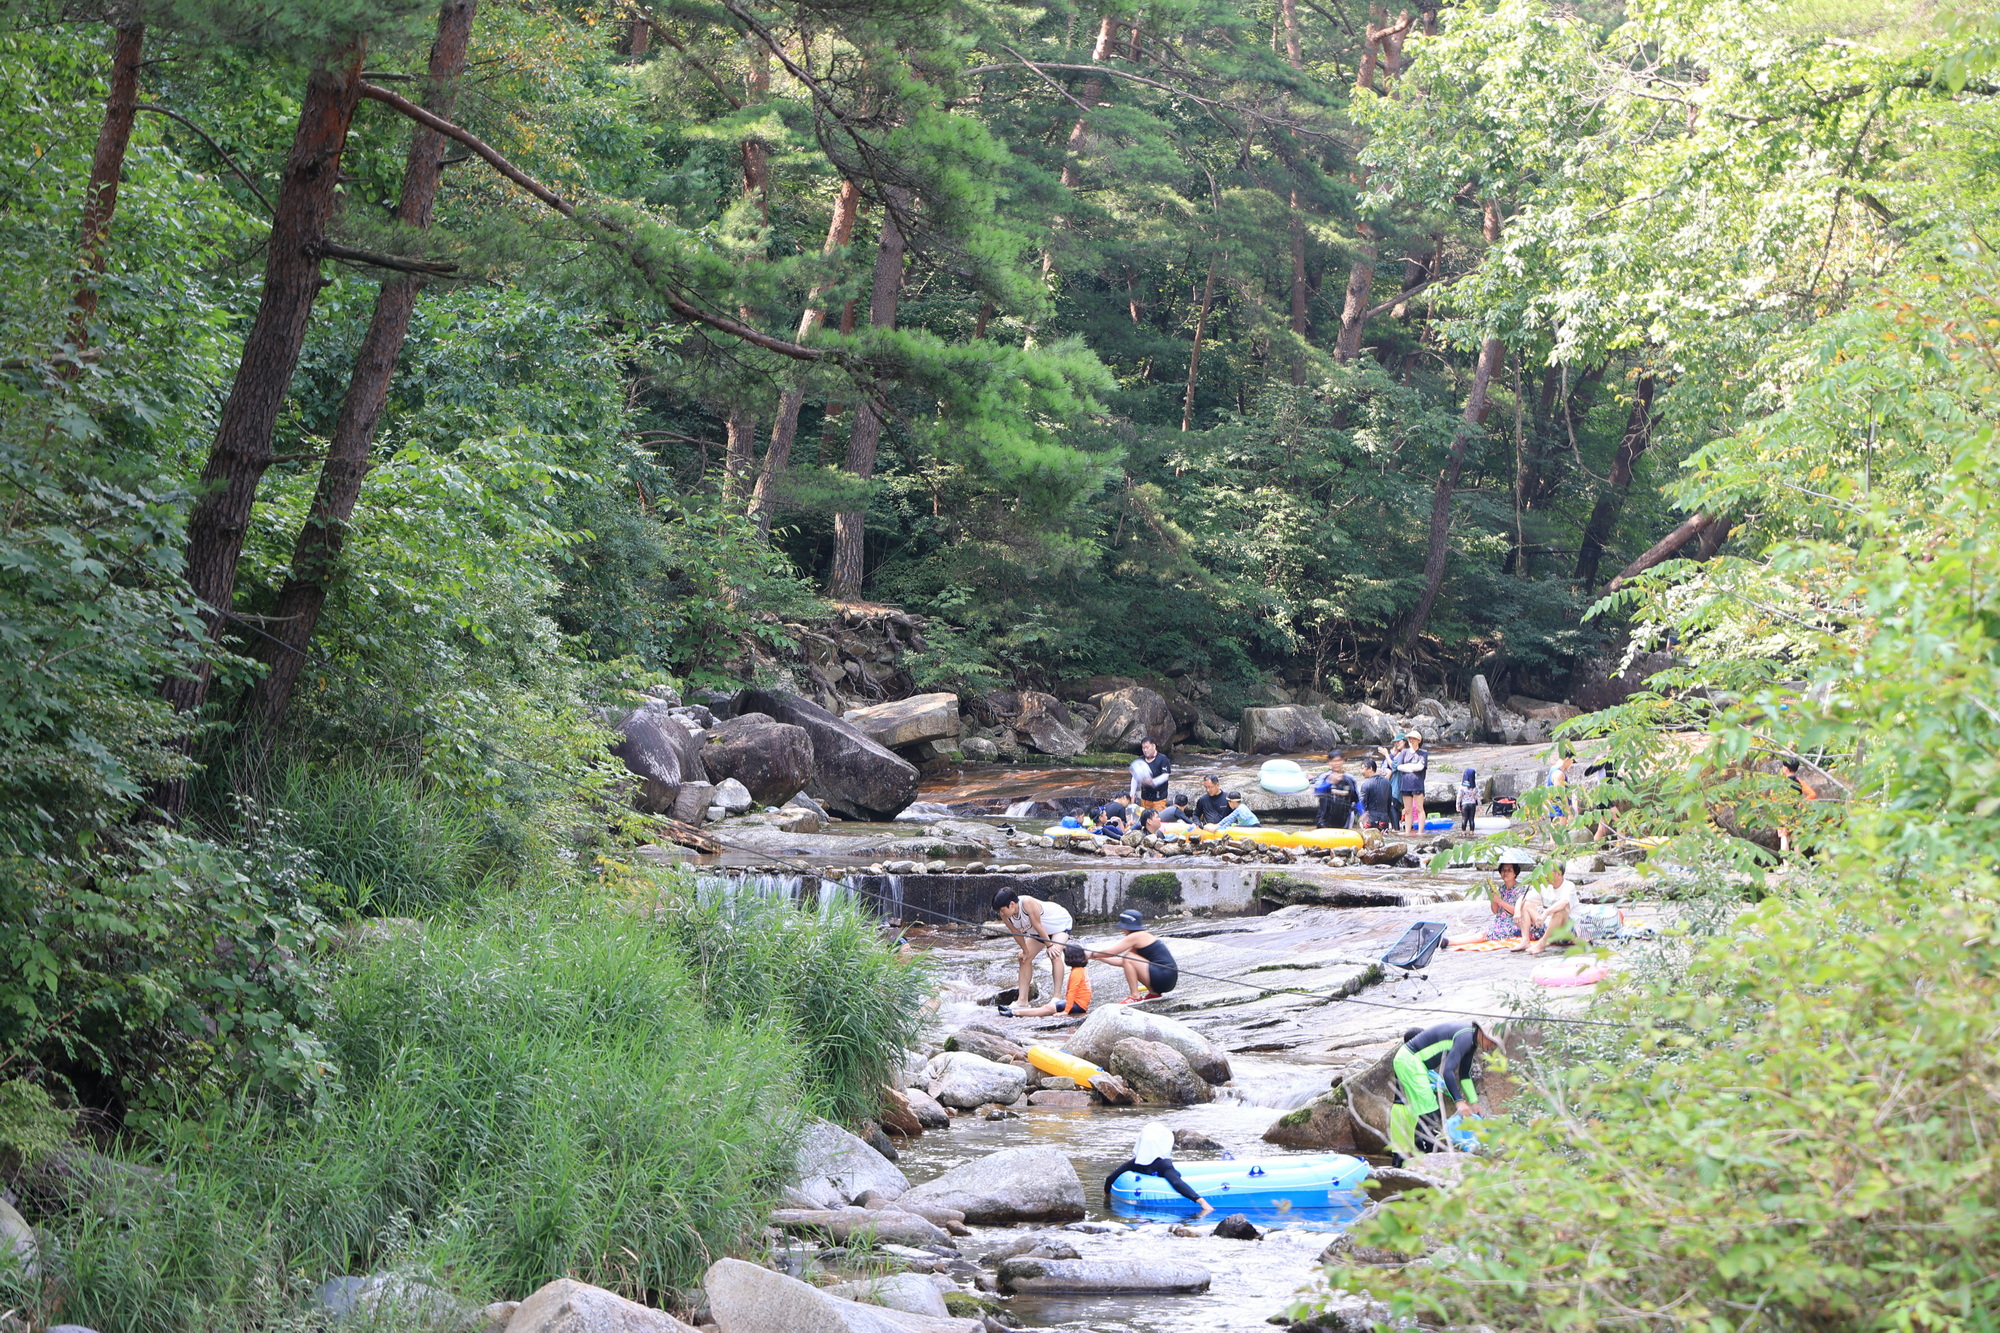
x: 1194, y: 355
x: 850, y: 526
x: 107, y: 167
x: 778, y: 454
x: 1712, y: 538
x: 638, y: 36
x: 241, y: 450
x: 1604, y: 514
x: 1299, y: 293
x: 1492, y: 353
x: 1079, y: 133
x: 1293, y: 54
x: 1360, y: 294
x: 316, y: 552
x: 740, y: 462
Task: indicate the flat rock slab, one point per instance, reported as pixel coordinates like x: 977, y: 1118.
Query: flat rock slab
x: 566, y: 1306
x: 745, y: 1298
x: 889, y: 1226
x: 1026, y: 1273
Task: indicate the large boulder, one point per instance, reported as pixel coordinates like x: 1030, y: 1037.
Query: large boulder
x: 906, y: 722
x: 660, y: 752
x: 830, y: 1155
x: 1128, y: 716
x: 1485, y: 712
x: 1012, y: 1185
x: 773, y: 759
x: 1542, y: 710
x: 1286, y: 729
x: 393, y: 1300
x: 568, y: 1306
x: 1049, y: 727
x: 1372, y: 725
x: 1027, y: 1273
x: 19, y: 1250
x: 747, y: 1298
x: 1599, y: 683
x: 965, y: 1080
x: 1157, y: 1072
x: 981, y: 1042
x: 1325, y: 1123
x: 1111, y: 1024
x: 929, y: 1110
x: 852, y: 775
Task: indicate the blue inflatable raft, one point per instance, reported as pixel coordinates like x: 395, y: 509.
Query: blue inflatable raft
x: 1318, y: 1181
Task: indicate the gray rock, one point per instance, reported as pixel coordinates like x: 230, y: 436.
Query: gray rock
x: 1112, y: 1089
x: 568, y: 1306
x: 69, y: 1328
x: 1048, y: 726
x: 1110, y: 1024
x: 978, y: 747
x: 732, y: 796
x: 660, y: 752
x: 828, y: 1153
x: 18, y: 1247
x: 694, y: 715
x: 744, y: 1298
x: 802, y: 801
x: 1324, y: 1123
x: 1128, y: 716
x: 1371, y: 725
x: 1237, y: 1227
x: 905, y: 722
x: 1286, y: 729
x: 965, y: 1080
x: 910, y: 1292
x: 852, y: 775
x: 887, y: 1226
x: 1012, y: 1185
x: 692, y: 803
x: 497, y: 1316
x: 929, y: 1111
x: 769, y: 757
x: 395, y: 1300
x: 1157, y: 1073
x: 995, y: 1048
x: 1193, y: 1140
x: 1094, y: 1276
x: 1485, y: 711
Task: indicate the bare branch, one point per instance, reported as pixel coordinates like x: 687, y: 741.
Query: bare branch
x: 227, y: 160
x: 423, y: 267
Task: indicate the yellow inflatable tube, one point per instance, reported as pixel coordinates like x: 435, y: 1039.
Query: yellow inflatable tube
x: 1279, y: 837
x: 1062, y: 1064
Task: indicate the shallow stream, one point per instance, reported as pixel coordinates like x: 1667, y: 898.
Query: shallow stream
x: 1251, y: 1280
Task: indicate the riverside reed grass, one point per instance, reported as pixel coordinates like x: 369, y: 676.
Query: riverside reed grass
x: 393, y: 844
x: 545, y: 1094
x: 853, y: 1007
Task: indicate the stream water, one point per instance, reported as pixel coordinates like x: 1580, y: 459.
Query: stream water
x: 1250, y: 1280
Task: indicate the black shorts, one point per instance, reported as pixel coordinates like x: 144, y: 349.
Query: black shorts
x: 1162, y: 977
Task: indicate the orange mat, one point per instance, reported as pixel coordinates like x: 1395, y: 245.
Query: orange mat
x: 1482, y: 946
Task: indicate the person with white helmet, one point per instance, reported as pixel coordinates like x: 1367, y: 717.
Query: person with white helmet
x: 1153, y: 1155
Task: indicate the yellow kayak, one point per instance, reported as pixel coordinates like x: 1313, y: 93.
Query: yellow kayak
x: 1278, y: 837
x: 1062, y: 1064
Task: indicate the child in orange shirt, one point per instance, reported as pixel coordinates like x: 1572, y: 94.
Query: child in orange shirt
x: 1076, y: 999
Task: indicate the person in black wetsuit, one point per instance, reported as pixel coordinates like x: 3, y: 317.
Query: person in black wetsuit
x: 1153, y: 1156
x: 1449, y: 1048
x: 1150, y: 969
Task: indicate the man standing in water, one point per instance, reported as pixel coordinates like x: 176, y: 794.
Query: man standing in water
x: 1152, y: 773
x: 1039, y: 927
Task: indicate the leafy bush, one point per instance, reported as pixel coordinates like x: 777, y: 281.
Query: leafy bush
x: 1160, y: 887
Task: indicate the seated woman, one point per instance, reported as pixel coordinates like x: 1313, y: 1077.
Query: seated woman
x: 1505, y: 900
x: 1076, y: 999
x: 1153, y: 1155
x: 1150, y: 969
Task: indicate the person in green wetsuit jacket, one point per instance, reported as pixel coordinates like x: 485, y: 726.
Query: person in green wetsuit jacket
x: 1416, y: 1123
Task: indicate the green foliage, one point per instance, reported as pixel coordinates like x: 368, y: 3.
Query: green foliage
x: 1159, y: 887
x: 31, y: 1125
x: 538, y: 1096
x: 391, y: 844
x: 821, y: 972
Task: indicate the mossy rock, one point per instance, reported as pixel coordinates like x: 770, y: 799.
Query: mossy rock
x: 1161, y: 887
x: 965, y: 1305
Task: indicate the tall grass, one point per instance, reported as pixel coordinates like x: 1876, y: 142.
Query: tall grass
x: 394, y: 844
x: 523, y: 1100
x: 853, y: 1006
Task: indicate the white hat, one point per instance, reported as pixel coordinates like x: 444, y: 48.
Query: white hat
x: 1155, y: 1142
x: 1516, y: 856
